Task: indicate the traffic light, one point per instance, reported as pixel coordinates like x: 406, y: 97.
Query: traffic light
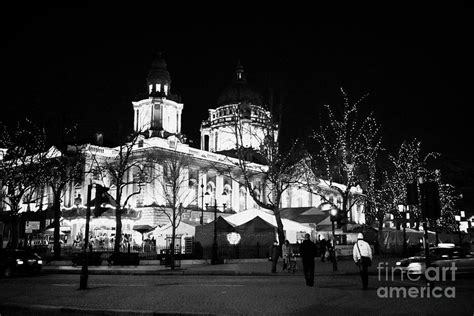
x: 101, y: 197
x: 412, y: 194
x: 430, y: 205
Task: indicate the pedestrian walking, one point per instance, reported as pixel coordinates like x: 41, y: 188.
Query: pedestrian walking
x: 322, y: 249
x: 275, y: 253
x: 329, y: 249
x: 362, y: 254
x: 308, y: 252
x: 287, y: 253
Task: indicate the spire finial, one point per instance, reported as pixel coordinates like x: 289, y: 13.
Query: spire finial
x: 239, y: 71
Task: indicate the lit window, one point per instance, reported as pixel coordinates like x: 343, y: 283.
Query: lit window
x: 166, y: 89
x: 158, y: 87
x: 150, y: 88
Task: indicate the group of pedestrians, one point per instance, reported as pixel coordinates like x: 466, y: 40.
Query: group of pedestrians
x: 362, y: 255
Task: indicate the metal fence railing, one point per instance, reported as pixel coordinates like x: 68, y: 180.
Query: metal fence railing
x: 151, y: 252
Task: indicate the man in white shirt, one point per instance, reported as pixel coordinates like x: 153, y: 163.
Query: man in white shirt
x: 362, y: 249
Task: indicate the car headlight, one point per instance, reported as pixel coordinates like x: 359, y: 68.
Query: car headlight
x: 19, y: 261
x: 415, y: 267
x: 398, y: 263
x: 40, y: 261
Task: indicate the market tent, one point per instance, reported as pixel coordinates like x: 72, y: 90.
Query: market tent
x: 204, y: 236
x: 143, y: 229
x: 292, y: 229
x: 184, y: 230
x: 306, y: 215
x: 62, y: 230
x: 205, y: 233
x: 256, y: 231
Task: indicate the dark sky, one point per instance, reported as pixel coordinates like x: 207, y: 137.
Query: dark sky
x: 87, y: 64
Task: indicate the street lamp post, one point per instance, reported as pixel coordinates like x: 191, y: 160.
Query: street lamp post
x: 401, y: 209
x: 85, y: 269
x: 333, y: 254
x: 458, y: 222
x: 202, y: 204
x: 215, y: 259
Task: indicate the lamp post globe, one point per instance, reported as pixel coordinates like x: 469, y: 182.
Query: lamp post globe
x: 333, y: 213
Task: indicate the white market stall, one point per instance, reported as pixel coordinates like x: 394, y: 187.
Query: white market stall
x: 293, y: 230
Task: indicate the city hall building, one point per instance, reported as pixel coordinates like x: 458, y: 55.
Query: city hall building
x: 158, y: 119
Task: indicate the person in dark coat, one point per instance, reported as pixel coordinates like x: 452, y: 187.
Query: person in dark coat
x: 322, y: 249
x: 275, y: 253
x: 329, y: 248
x: 308, y: 252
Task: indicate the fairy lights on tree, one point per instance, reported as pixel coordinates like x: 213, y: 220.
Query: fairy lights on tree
x: 19, y: 169
x: 347, y: 147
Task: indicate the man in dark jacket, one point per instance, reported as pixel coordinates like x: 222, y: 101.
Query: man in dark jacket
x: 308, y: 252
x: 275, y: 253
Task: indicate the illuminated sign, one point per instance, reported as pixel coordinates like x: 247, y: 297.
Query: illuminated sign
x: 233, y: 238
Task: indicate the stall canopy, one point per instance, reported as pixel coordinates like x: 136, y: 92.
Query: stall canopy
x: 292, y: 228
x: 143, y: 229
x: 184, y: 229
x: 245, y: 216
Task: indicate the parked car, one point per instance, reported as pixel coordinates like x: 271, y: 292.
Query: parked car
x: 16, y: 261
x: 442, y: 256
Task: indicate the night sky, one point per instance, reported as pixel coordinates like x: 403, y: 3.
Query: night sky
x: 86, y: 65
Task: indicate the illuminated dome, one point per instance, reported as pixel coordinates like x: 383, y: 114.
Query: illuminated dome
x: 158, y: 79
x: 239, y: 91
x: 159, y: 71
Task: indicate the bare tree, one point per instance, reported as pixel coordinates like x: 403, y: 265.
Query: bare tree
x: 347, y: 147
x: 19, y: 168
x: 59, y: 169
x: 123, y: 170
x: 173, y: 192
x: 263, y: 165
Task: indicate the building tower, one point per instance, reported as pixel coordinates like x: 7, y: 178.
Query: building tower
x: 237, y: 106
x: 161, y: 111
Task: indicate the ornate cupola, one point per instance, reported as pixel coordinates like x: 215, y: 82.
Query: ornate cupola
x: 160, y: 112
x: 237, y: 103
x: 239, y: 91
x: 158, y: 79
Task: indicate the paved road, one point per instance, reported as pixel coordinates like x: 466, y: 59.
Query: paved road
x: 251, y: 295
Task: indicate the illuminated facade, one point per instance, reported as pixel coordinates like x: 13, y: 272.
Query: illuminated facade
x: 158, y: 118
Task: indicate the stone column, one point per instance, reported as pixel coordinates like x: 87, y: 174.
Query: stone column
x: 250, y: 202
x: 235, y: 196
x: 219, y: 190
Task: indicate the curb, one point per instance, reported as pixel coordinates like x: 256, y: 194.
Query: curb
x: 194, y: 272
x: 16, y: 309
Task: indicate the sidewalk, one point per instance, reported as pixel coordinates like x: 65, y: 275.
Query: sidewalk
x: 248, y: 267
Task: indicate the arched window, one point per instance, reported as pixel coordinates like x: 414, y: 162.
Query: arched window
x: 211, y: 189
